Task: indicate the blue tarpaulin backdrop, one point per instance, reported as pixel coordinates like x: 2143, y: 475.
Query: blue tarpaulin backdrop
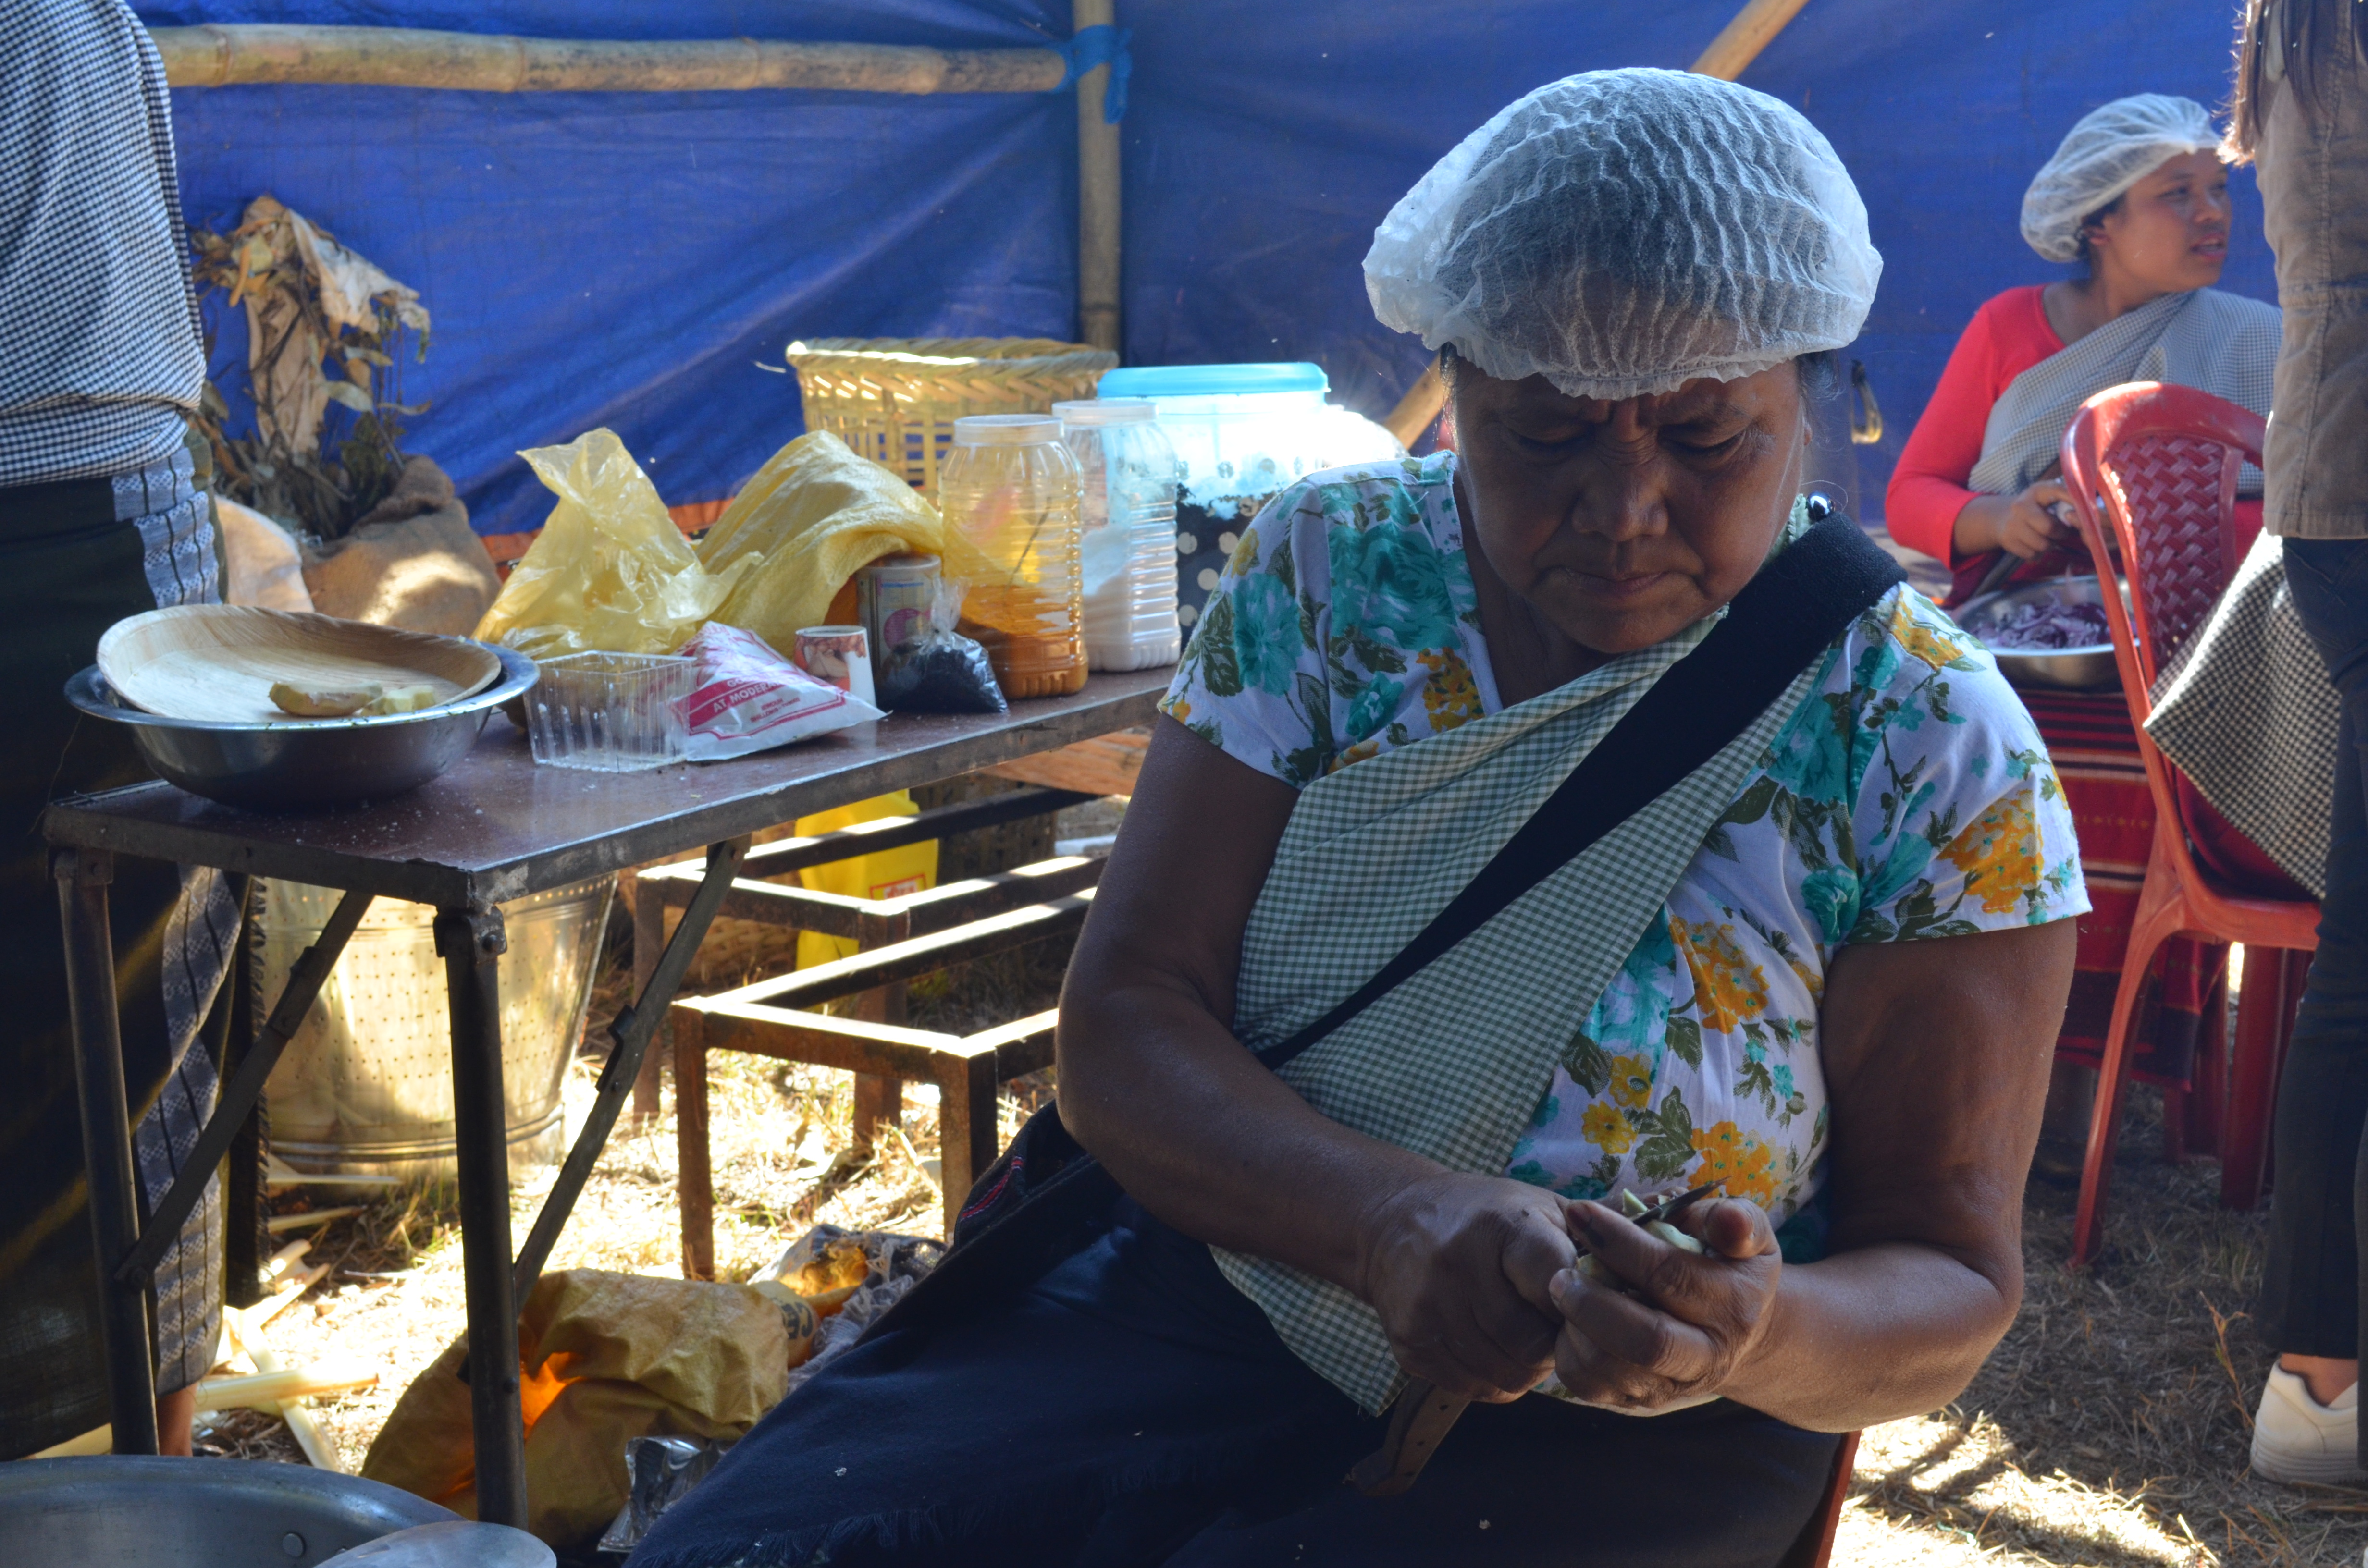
x: 633, y: 259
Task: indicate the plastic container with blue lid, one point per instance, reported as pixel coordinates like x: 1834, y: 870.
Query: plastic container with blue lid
x: 1241, y: 434
x: 1214, y: 380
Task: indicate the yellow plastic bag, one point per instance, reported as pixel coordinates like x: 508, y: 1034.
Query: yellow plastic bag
x: 604, y: 1356
x: 814, y: 514
x: 883, y: 873
x: 609, y: 572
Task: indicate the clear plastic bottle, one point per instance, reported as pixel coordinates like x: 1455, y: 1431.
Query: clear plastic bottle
x: 1012, y: 491
x: 1129, y: 541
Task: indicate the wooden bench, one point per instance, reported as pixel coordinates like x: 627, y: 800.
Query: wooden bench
x: 654, y: 890
x: 902, y: 939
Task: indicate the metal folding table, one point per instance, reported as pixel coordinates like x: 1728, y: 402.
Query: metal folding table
x: 494, y: 829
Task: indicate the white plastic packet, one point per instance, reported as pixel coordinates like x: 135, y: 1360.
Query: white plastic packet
x: 746, y: 698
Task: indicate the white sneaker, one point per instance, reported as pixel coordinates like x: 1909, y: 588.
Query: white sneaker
x: 2297, y: 1438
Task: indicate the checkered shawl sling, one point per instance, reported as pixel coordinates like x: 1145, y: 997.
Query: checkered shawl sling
x: 1450, y: 1064
x: 2246, y: 711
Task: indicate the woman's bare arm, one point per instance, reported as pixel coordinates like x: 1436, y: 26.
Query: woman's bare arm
x: 1936, y: 1058
x: 1154, y: 1082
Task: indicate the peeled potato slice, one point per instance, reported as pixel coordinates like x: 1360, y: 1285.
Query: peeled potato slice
x: 401, y: 700
x: 333, y: 703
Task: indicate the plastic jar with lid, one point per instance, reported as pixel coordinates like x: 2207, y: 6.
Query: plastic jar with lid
x: 1010, y: 488
x: 1129, y: 531
x: 1241, y: 434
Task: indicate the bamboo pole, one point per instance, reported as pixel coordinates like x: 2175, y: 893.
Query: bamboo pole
x: 1420, y: 406
x: 1097, y: 194
x: 1740, y: 41
x: 217, y: 55
x: 1736, y: 47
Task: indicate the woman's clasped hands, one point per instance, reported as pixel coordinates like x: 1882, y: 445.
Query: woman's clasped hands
x: 1475, y: 1281
x: 1683, y: 1324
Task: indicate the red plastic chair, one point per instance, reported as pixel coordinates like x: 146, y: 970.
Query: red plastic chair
x: 1815, y: 1548
x: 2158, y: 465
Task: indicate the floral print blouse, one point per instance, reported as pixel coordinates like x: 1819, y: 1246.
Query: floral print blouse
x: 1909, y: 798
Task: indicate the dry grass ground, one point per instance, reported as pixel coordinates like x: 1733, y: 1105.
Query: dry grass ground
x: 2110, y: 1429
x: 2112, y: 1423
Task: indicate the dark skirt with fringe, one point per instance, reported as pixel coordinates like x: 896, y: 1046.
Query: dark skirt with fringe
x: 75, y: 559
x: 1132, y: 1407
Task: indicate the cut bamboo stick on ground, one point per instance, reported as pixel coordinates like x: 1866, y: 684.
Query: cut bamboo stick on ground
x: 98, y: 1440
x: 281, y: 1224
x: 266, y: 1388
x: 320, y: 1451
x: 282, y: 1297
x: 291, y: 1178
x: 285, y: 1260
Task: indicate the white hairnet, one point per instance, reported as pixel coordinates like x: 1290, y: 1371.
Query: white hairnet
x: 1622, y: 233
x: 2109, y: 150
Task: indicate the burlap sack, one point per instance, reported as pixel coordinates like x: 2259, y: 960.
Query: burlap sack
x: 606, y: 1357
x: 414, y: 562
x: 261, y: 562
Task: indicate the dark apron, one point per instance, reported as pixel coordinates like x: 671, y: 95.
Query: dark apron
x: 1132, y: 1409
x: 70, y: 568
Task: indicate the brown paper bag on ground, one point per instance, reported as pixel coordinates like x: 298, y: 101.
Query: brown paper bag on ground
x: 414, y: 562
x: 606, y: 1357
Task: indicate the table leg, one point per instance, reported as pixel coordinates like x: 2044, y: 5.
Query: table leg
x: 471, y: 943
x: 649, y: 935
x: 246, y: 1192
x: 878, y: 1098
x: 694, y: 1171
x: 83, y: 877
x: 966, y: 1141
x: 630, y: 1035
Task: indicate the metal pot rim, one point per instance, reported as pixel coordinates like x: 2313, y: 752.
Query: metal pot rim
x: 88, y: 691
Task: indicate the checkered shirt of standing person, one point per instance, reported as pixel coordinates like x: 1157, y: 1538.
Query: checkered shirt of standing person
x: 100, y: 349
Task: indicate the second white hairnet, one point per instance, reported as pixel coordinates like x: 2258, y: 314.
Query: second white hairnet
x: 2110, y: 150
x: 1622, y: 233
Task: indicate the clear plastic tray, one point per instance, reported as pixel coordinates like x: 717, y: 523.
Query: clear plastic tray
x: 610, y: 712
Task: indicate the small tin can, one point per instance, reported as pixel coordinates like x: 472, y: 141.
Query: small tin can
x: 892, y: 597
x: 838, y: 655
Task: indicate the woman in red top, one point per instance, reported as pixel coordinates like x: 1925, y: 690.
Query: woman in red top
x: 2137, y: 192
x: 2155, y: 245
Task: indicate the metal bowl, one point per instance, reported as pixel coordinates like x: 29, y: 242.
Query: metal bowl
x: 2076, y: 669
x: 305, y: 764
x: 122, y: 1512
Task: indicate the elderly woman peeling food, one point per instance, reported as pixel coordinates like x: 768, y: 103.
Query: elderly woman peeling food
x: 1578, y: 812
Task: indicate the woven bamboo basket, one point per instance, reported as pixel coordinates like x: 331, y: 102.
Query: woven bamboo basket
x: 895, y: 399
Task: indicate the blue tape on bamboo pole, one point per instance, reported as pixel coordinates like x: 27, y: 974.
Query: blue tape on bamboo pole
x: 1100, y: 45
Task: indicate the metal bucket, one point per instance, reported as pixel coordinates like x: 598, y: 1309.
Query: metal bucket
x: 122, y: 1512
x: 366, y: 1086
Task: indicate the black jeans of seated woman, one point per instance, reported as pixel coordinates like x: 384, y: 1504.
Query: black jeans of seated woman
x: 1133, y: 1408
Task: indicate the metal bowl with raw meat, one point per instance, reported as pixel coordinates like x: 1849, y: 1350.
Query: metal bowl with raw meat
x: 2046, y: 634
